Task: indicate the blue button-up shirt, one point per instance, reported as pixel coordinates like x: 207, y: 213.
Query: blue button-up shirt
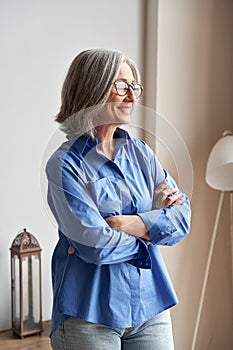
x: 112, y: 277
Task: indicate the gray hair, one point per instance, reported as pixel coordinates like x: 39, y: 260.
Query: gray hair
x: 87, y: 88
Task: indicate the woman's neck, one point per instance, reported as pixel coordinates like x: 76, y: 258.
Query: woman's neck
x: 106, y: 144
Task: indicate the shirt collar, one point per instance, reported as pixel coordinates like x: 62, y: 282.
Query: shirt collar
x: 85, y: 142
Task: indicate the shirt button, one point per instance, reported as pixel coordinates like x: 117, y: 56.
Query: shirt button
x: 71, y: 250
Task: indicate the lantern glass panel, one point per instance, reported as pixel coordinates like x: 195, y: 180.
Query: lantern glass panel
x: 36, y: 287
x: 31, y: 291
x: 16, y: 290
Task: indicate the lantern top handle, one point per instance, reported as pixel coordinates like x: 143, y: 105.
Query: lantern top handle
x: 25, y: 242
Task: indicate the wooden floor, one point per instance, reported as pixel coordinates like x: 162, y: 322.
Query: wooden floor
x: 8, y: 341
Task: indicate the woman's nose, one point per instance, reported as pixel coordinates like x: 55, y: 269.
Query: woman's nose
x: 130, y: 96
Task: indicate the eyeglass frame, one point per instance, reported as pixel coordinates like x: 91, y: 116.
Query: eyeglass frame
x: 129, y: 86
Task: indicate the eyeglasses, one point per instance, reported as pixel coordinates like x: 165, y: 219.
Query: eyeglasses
x: 122, y: 88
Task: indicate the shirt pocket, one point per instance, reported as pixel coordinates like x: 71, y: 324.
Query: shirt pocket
x: 105, y: 197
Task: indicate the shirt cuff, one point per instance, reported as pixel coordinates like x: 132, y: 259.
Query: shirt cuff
x: 159, y: 226
x: 142, y: 258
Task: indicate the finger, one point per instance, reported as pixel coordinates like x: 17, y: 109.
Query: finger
x: 171, y: 191
x: 169, y: 195
x: 164, y: 194
x: 175, y: 199
x: 161, y: 198
x: 161, y: 187
x: 178, y: 202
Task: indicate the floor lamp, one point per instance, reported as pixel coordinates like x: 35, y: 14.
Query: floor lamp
x: 219, y: 175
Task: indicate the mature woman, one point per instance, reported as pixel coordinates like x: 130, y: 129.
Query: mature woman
x: 114, y: 205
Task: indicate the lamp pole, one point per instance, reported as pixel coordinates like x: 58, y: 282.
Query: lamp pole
x: 231, y: 242
x: 207, y: 270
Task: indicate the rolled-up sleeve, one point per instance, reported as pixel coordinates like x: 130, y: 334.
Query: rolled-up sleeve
x: 167, y: 226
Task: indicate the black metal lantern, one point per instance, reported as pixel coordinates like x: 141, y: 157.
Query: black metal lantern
x: 26, y: 285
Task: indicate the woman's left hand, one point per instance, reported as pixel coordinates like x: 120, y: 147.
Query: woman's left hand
x: 165, y: 197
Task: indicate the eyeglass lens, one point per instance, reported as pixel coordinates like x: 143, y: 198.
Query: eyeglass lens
x: 122, y: 88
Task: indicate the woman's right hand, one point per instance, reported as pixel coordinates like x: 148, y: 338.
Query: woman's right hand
x: 165, y: 197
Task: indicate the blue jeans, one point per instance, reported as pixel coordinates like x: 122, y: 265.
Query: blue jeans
x: 76, y: 334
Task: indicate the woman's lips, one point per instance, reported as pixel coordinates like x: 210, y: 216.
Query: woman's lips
x: 125, y: 109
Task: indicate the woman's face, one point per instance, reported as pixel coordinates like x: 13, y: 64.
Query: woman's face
x: 119, y: 108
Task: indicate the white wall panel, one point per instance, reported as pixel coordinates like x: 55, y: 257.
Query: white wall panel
x: 38, y: 41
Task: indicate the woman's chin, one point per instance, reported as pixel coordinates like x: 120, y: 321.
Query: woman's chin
x: 124, y: 119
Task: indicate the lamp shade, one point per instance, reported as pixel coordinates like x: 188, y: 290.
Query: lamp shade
x: 219, y: 169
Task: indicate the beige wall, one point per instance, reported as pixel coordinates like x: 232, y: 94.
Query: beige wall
x: 195, y: 94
